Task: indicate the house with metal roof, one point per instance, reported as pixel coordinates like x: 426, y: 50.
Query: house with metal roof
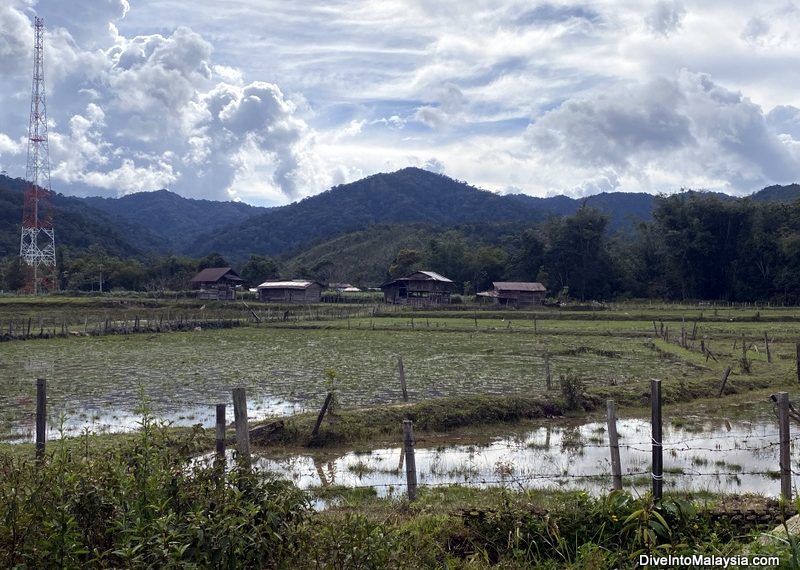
x: 515, y: 293
x: 216, y: 283
x: 421, y: 288
x: 290, y: 291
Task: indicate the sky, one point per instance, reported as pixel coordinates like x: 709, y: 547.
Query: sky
x: 270, y: 101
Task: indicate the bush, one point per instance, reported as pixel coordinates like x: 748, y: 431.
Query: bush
x: 142, y: 505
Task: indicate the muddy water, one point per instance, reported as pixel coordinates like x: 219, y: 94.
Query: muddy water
x: 715, y: 456
x: 104, y: 419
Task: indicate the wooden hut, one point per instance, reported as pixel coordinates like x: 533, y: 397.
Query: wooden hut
x: 421, y: 288
x: 292, y: 291
x: 216, y: 283
x: 515, y: 293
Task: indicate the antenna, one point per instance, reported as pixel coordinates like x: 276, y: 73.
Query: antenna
x: 37, y: 243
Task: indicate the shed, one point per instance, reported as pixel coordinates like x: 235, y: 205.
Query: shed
x: 515, y: 293
x: 291, y: 291
x: 421, y: 288
x: 216, y: 283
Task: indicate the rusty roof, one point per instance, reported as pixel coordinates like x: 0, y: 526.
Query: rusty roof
x: 214, y: 274
x: 518, y: 286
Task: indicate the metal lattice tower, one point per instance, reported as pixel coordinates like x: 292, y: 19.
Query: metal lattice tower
x: 37, y: 243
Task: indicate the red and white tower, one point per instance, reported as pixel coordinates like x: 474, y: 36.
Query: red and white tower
x: 37, y: 244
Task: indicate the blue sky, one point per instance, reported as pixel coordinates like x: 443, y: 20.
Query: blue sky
x: 271, y: 101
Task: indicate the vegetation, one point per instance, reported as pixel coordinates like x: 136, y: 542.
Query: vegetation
x: 145, y: 504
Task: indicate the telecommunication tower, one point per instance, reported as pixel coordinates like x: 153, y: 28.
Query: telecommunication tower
x: 37, y: 244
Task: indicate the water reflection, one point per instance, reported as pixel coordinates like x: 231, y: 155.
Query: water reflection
x: 719, y: 456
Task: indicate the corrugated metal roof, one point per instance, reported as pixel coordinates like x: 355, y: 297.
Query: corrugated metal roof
x: 435, y: 276
x: 518, y: 286
x: 293, y: 284
x: 214, y: 274
x: 428, y: 276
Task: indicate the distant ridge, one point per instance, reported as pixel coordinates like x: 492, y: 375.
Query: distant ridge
x: 163, y: 222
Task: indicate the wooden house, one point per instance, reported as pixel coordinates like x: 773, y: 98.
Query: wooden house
x: 216, y: 283
x: 421, y: 288
x: 292, y: 291
x: 515, y: 293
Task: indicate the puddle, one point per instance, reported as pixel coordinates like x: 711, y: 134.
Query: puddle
x: 713, y: 456
x: 102, y: 419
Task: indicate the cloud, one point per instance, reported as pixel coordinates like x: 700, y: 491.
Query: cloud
x: 665, y: 17
x: 16, y: 39
x: 434, y: 165
x: 687, y: 124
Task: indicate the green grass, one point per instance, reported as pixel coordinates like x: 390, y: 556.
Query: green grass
x: 282, y: 364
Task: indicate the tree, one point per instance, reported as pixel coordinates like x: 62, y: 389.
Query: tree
x: 258, y: 269
x: 212, y: 260
x: 406, y: 261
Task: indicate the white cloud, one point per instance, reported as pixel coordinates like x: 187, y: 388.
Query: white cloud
x: 665, y: 17
x: 270, y: 101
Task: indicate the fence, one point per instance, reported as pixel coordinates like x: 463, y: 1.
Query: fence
x: 781, y: 440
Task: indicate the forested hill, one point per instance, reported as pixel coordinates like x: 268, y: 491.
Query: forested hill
x: 177, y: 222
x: 78, y: 225
x: 410, y: 195
x: 162, y: 222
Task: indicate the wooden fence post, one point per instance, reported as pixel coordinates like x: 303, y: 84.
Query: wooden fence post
x: 613, y: 442
x: 240, y: 420
x: 548, y: 378
x: 328, y: 399
x: 797, y: 359
x: 221, y: 431
x: 402, y: 372
x: 724, y: 380
x: 658, y: 457
x: 785, y: 465
x: 41, y: 417
x: 766, y: 347
x: 411, y: 464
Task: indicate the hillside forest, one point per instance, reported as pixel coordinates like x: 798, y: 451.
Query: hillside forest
x: 695, y: 246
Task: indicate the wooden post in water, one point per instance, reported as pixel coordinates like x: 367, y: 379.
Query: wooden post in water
x: 328, y: 400
x: 411, y: 464
x: 221, y: 431
x: 402, y: 372
x: 41, y: 417
x: 658, y: 457
x: 785, y: 465
x: 724, y: 381
x: 613, y: 442
x: 240, y: 420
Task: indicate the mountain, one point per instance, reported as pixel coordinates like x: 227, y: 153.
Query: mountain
x: 624, y: 209
x: 172, y: 222
x: 410, y: 195
x: 778, y: 193
x: 78, y: 225
x: 349, y: 219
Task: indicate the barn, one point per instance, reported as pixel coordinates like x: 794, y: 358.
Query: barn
x: 292, y: 291
x: 515, y: 293
x: 421, y: 288
x: 216, y: 283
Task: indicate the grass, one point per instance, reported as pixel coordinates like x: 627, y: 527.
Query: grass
x: 282, y: 364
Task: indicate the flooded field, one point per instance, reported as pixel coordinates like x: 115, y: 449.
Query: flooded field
x: 713, y: 456
x: 96, y: 383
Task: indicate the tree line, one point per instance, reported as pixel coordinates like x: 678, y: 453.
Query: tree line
x: 696, y: 246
